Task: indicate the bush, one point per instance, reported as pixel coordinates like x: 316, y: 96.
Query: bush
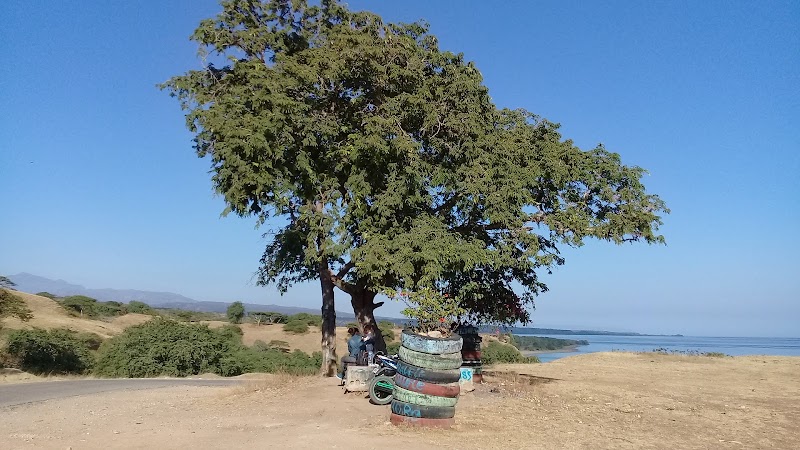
x: 139, y: 308
x: 281, y: 346
x: 89, y: 307
x: 308, y: 319
x: 270, y: 317
x: 296, y: 327
x: 186, y: 315
x: 165, y: 347
x: 46, y: 295
x: 392, y: 348
x: 271, y: 360
x: 497, y: 353
x: 387, y: 330
x: 232, y: 332
x: 13, y: 305
x: 55, y: 351
x: 92, y: 341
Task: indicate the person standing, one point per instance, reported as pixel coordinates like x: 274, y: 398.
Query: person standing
x: 369, y: 342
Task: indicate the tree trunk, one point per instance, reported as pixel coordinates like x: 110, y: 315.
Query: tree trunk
x: 364, y: 308
x: 329, y: 359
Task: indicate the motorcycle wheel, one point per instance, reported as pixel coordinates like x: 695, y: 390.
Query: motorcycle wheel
x: 381, y: 390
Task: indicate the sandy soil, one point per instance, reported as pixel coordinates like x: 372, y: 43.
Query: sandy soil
x: 49, y: 314
x: 602, y: 400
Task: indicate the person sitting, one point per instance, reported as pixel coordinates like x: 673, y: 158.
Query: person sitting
x: 355, y: 346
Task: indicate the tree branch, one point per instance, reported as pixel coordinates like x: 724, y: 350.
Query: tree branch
x: 346, y: 268
x: 341, y: 284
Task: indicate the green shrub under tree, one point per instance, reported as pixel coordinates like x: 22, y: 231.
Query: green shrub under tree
x: 499, y: 353
x: 48, y: 351
x: 296, y: 327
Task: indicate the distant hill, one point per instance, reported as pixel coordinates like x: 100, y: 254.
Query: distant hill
x: 27, y: 282
x: 552, y: 331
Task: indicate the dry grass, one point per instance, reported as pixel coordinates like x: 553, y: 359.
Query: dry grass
x: 49, y: 314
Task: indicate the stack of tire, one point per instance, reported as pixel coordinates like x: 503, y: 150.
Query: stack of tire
x: 426, y: 385
x: 471, y: 352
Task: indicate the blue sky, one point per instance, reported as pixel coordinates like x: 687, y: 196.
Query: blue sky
x: 100, y: 185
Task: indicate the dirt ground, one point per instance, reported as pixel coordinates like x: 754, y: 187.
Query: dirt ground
x: 601, y: 400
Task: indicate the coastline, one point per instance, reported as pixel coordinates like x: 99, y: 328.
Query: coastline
x: 567, y: 349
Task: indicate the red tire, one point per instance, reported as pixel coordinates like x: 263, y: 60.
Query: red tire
x: 424, y: 387
x: 397, y: 419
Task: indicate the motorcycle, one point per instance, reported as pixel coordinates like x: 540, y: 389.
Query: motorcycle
x: 381, y: 387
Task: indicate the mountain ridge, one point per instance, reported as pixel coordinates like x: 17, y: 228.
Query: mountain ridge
x: 27, y: 282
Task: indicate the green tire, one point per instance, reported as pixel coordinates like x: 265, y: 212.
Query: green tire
x: 422, y: 399
x: 429, y: 361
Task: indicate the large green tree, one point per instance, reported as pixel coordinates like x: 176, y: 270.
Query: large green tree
x: 381, y: 162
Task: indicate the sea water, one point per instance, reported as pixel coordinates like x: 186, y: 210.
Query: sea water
x: 734, y: 346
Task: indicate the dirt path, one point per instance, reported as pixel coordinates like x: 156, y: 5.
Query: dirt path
x: 608, y: 400
x: 19, y: 394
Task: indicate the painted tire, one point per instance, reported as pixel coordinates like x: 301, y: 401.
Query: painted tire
x: 429, y: 361
x: 425, y: 344
x: 397, y: 419
x: 477, y: 363
x: 428, y: 375
x: 377, y: 393
x: 415, y: 398
x: 471, y: 355
x: 427, y: 388
x: 422, y: 411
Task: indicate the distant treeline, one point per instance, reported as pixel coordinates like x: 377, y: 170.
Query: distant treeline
x: 537, y: 343
x: 522, y: 330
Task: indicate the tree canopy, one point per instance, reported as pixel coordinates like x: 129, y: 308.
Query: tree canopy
x: 235, y: 312
x: 381, y: 163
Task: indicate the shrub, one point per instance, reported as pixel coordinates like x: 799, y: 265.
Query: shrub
x: 54, y: 351
x: 387, y: 330
x: 89, y: 307
x: 296, y: 327
x: 46, y: 295
x: 431, y: 310
x: 186, y: 315
x: 13, y: 305
x: 392, y: 348
x: 308, y: 319
x: 165, y: 347
x: 92, y: 341
x: 271, y: 360
x: 231, y: 332
x: 497, y: 353
x: 139, y: 308
x: 267, y: 317
x: 282, y: 346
